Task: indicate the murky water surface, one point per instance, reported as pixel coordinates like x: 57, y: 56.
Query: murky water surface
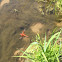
x: 16, y: 16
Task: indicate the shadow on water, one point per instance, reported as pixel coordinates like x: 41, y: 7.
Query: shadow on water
x: 14, y: 18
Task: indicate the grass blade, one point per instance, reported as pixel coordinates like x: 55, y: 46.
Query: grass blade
x: 45, y: 43
x: 44, y: 57
x: 51, y: 39
x: 57, y: 57
x: 21, y: 56
x: 30, y: 46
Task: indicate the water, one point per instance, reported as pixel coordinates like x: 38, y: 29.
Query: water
x: 0, y: 0
x: 12, y: 23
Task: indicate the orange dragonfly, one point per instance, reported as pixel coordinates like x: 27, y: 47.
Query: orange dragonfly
x: 23, y: 35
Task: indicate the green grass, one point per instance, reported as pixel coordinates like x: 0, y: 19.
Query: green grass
x: 49, y: 51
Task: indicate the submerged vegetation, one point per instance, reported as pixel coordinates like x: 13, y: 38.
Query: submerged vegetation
x: 49, y: 51
x: 54, y: 6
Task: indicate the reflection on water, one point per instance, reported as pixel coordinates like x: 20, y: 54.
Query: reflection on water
x: 13, y: 22
x: 3, y: 2
x: 0, y: 0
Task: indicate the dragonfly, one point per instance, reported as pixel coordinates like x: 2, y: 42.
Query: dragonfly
x: 23, y: 35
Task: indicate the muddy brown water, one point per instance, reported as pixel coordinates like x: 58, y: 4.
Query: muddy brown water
x: 13, y: 22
